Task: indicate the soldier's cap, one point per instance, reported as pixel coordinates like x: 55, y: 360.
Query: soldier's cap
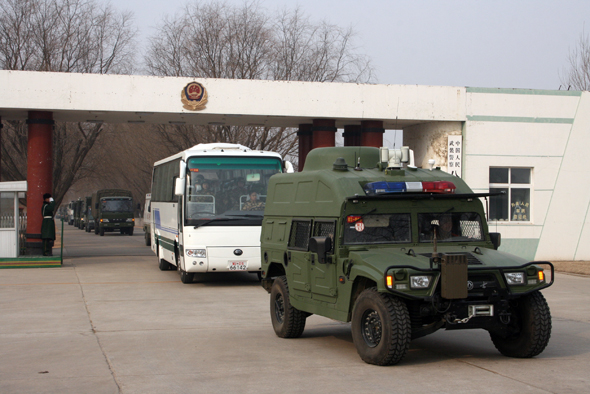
x: 46, y: 196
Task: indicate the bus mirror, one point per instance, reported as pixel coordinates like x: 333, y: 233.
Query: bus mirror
x: 149, y: 208
x: 288, y: 167
x: 182, y: 169
x: 179, y: 187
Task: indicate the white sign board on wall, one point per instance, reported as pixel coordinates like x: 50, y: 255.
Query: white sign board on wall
x: 454, y: 152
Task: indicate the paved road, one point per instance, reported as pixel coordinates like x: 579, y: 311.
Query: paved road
x: 110, y: 322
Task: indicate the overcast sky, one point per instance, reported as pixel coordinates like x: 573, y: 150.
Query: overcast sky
x: 507, y: 44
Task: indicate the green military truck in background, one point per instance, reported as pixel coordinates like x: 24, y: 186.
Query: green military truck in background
x: 113, y: 210
x: 88, y: 217
x: 78, y: 210
x: 398, y: 251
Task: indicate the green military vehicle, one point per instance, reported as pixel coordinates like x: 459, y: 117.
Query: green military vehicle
x: 88, y: 217
x: 113, y: 210
x: 398, y: 251
x: 78, y: 212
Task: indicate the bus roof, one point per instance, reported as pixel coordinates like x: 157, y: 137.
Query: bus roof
x: 218, y: 149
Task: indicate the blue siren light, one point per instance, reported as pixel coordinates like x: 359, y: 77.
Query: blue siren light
x: 382, y: 187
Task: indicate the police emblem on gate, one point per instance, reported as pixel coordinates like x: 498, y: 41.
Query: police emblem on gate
x: 238, y: 252
x: 469, y: 285
x: 194, y: 96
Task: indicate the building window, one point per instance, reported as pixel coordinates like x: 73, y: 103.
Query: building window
x: 515, y: 204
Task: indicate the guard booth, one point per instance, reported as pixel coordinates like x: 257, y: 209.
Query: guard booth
x: 10, y: 220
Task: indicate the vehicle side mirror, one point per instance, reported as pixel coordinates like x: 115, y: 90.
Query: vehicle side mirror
x: 182, y: 169
x: 496, y: 239
x: 288, y: 166
x: 321, y: 246
x: 179, y: 187
x: 149, y: 208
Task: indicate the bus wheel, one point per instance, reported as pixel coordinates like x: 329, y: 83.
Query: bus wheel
x: 287, y: 321
x: 186, y: 277
x: 381, y: 328
x: 164, y: 265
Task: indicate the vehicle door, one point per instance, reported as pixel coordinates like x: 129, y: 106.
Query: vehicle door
x: 323, y: 275
x: 298, y: 258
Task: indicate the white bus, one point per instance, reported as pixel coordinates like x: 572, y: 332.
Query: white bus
x: 207, y: 205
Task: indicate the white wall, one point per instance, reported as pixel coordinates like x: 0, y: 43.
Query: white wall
x: 547, y: 131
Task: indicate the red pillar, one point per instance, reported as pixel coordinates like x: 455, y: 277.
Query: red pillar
x: 324, y: 133
x: 39, y: 174
x: 372, y: 133
x: 352, y: 135
x: 1, y: 126
x: 305, y: 134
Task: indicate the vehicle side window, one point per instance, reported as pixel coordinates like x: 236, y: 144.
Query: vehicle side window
x: 325, y: 229
x: 299, y: 236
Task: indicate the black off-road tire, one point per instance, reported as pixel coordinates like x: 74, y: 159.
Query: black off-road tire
x: 287, y: 321
x: 101, y: 232
x: 532, y: 320
x: 130, y: 231
x: 381, y: 329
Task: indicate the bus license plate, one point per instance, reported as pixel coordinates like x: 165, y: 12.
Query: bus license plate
x: 238, y: 265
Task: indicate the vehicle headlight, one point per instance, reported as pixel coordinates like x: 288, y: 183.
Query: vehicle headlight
x: 130, y: 219
x: 104, y: 220
x: 196, y: 253
x: 420, y: 281
x: 514, y: 278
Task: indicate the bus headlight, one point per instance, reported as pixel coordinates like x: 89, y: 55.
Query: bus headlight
x: 514, y: 278
x: 420, y: 281
x: 202, y: 253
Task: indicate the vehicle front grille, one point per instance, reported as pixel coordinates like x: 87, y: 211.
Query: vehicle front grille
x: 471, y: 259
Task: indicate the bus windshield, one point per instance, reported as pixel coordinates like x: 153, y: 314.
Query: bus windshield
x: 116, y: 205
x: 227, y: 191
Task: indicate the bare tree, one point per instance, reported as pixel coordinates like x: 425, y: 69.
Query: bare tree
x: 63, y: 36
x: 577, y: 76
x: 216, y: 40
x: 303, y: 51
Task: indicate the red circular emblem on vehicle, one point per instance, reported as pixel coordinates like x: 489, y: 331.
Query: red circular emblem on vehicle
x: 359, y: 226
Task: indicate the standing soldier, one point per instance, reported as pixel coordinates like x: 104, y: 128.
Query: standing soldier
x: 48, y: 225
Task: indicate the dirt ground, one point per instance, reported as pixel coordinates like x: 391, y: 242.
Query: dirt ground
x: 573, y: 267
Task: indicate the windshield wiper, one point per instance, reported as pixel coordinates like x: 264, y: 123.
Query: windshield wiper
x: 363, y: 215
x: 246, y: 215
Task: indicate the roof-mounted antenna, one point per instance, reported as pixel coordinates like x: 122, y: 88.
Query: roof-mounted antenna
x: 358, y: 165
